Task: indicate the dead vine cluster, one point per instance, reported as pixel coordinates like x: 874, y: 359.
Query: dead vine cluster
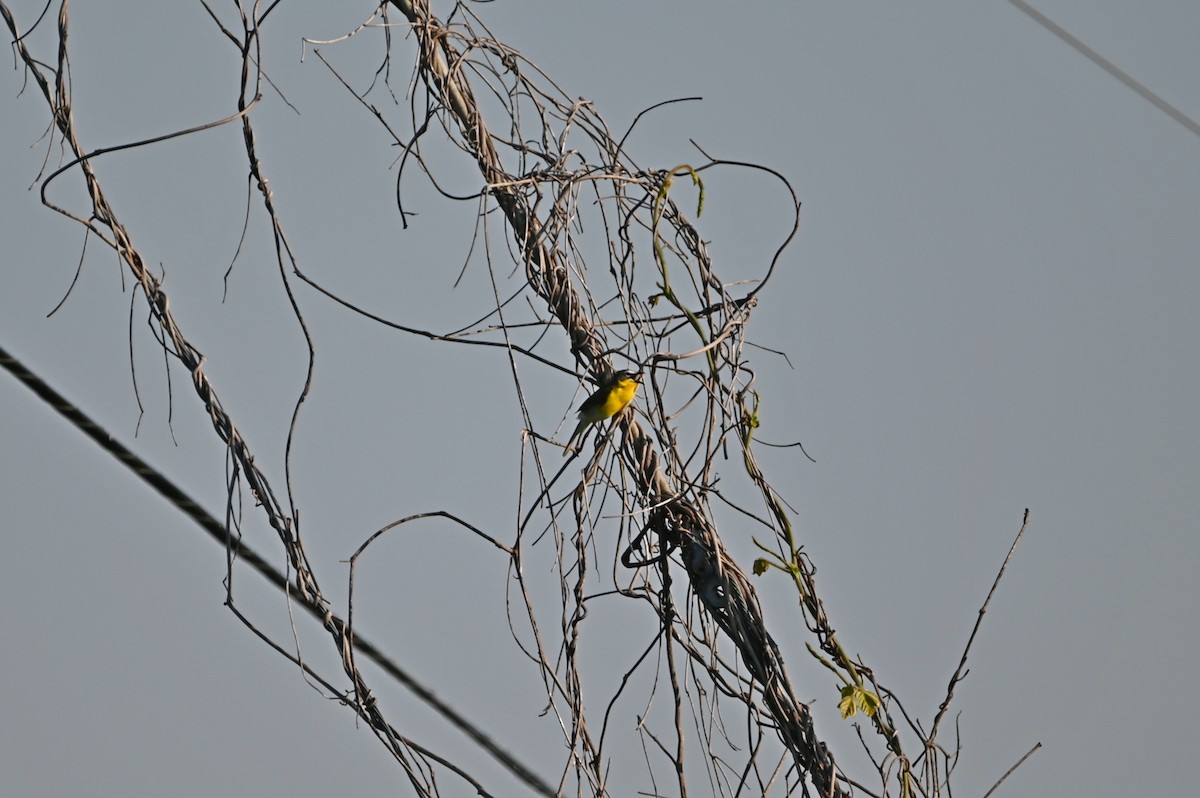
x: 609, y: 256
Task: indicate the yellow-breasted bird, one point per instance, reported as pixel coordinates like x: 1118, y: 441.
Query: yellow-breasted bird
x: 608, y: 400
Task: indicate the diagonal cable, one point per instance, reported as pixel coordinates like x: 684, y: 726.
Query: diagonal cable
x: 218, y: 531
x: 1108, y: 66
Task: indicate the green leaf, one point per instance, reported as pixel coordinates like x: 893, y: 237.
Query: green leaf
x: 857, y: 699
x: 761, y: 566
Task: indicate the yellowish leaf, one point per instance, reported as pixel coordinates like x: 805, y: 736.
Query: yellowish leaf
x: 857, y: 699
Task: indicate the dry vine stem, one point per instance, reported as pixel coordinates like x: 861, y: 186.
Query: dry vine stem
x: 674, y: 508
x: 417, y: 762
x: 667, y: 290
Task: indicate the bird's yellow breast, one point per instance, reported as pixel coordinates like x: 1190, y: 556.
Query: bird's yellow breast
x: 621, y: 395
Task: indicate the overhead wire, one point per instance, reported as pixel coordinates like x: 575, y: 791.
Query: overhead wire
x: 1108, y: 66
x: 218, y: 531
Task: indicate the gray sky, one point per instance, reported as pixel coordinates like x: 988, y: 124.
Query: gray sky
x: 991, y: 306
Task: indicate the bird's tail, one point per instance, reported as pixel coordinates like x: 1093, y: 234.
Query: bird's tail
x: 579, y: 428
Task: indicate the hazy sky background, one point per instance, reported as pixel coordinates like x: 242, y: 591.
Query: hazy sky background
x: 991, y: 305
